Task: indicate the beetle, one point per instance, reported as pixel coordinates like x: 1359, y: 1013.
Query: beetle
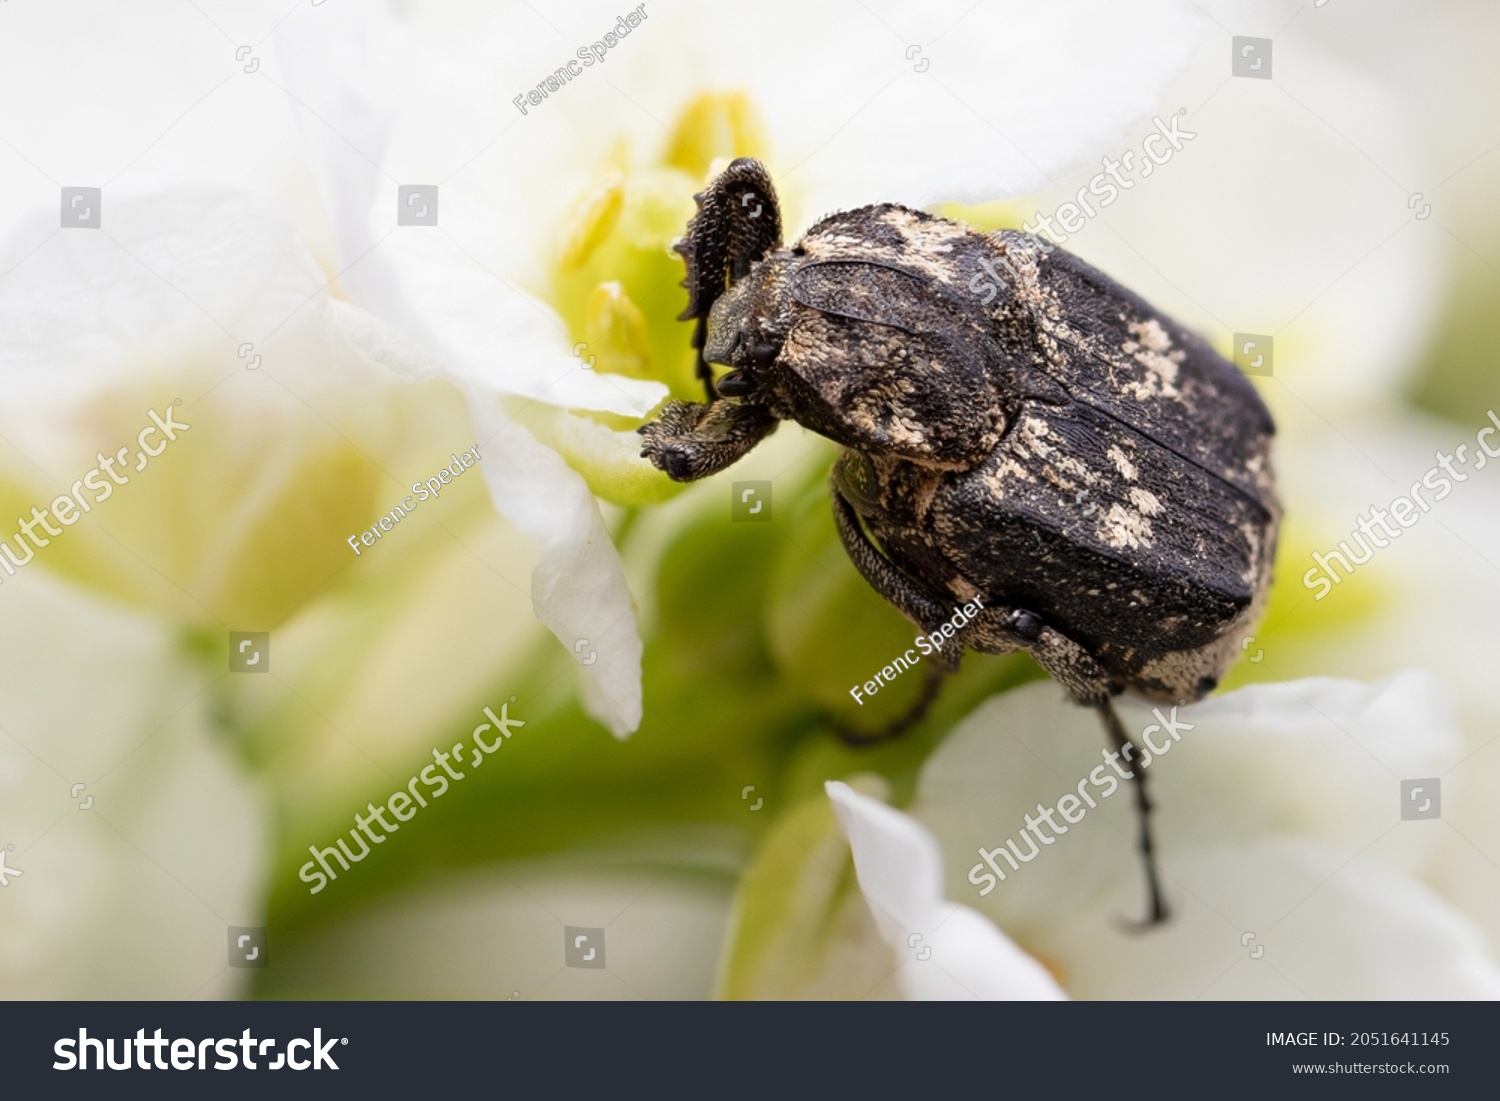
x: 1013, y: 426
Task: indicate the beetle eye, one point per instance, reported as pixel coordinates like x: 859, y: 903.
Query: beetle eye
x: 763, y: 354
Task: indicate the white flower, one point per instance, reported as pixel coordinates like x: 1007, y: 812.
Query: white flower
x: 198, y: 299
x: 244, y: 519
x: 1279, y: 821
x: 130, y: 886
x: 385, y: 105
x: 139, y: 840
x: 949, y: 951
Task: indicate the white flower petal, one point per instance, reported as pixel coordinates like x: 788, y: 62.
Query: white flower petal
x: 1015, y: 92
x: 130, y: 883
x: 993, y: 101
x: 469, y: 312
x: 578, y: 588
x: 466, y: 309
x: 491, y: 334
x: 1004, y: 97
x: 1278, y: 821
x: 186, y: 261
x: 900, y: 872
x: 1280, y: 918
x: 1435, y: 589
x: 1348, y: 287
x: 1320, y: 759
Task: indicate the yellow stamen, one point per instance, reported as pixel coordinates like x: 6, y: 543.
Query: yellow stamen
x: 615, y: 330
x: 715, y: 124
x: 593, y: 218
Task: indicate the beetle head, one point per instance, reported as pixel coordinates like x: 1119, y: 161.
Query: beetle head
x: 743, y: 332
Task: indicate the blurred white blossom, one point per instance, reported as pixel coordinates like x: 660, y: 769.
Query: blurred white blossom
x: 139, y: 838
x: 1286, y: 857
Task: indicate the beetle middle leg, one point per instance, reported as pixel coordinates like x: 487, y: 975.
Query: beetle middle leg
x: 912, y: 601
x: 932, y: 686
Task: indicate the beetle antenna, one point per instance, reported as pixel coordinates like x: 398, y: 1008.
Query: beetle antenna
x: 737, y: 223
x: 1119, y: 740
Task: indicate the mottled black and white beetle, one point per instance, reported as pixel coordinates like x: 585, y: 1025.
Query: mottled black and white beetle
x: 1014, y: 426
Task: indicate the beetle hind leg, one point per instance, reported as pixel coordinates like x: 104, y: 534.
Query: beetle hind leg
x: 1115, y: 730
x: 1089, y: 684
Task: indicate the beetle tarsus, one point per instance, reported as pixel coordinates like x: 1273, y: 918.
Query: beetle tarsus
x: 688, y: 441
x: 1146, y: 843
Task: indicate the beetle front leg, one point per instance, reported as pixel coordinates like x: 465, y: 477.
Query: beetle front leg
x: 689, y: 441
